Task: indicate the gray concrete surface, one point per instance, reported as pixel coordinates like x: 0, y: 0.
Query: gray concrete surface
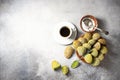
x: 27, y: 46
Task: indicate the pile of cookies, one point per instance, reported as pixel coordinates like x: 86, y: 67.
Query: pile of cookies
x: 90, y: 48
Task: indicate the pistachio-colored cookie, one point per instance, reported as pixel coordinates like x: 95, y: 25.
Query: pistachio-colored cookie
x: 102, y: 41
x: 88, y: 58
x: 101, y: 57
x: 96, y: 36
x: 96, y: 62
x: 104, y: 50
x: 81, y: 50
x: 82, y: 40
x: 97, y: 45
x: 94, y: 52
x: 68, y: 52
x: 88, y: 36
x: 55, y: 65
x: 87, y: 45
x: 65, y: 70
x: 76, y: 43
x: 91, y: 41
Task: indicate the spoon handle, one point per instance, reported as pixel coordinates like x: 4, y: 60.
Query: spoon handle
x: 103, y: 31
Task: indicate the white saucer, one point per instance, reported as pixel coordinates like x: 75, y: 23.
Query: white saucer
x: 61, y: 40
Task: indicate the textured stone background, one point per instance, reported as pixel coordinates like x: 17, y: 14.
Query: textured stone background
x: 27, y: 46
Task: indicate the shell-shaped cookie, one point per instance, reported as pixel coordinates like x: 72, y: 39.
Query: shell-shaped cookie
x: 88, y: 58
x: 91, y: 42
x: 76, y: 43
x: 104, y: 50
x: 68, y: 52
x: 65, y: 70
x: 82, y: 40
x: 94, y: 52
x: 97, y: 45
x: 102, y: 41
x: 96, y: 36
x: 81, y: 50
x: 88, y: 36
x: 55, y: 65
x: 96, y: 62
x: 101, y: 57
x: 87, y: 45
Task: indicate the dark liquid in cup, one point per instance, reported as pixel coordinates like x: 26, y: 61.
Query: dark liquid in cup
x: 65, y: 31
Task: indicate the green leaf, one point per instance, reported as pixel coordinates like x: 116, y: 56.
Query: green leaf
x: 75, y: 64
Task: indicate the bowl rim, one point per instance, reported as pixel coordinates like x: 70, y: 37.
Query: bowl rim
x: 94, y: 19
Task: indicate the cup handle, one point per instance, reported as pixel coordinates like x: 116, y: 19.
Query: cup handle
x: 103, y: 31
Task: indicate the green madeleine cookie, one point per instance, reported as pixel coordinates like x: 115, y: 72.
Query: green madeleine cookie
x: 88, y: 36
x: 88, y: 58
x: 94, y: 52
x: 96, y: 62
x: 81, y: 50
x: 91, y: 42
x: 97, y: 45
x: 96, y: 36
x: 68, y: 52
x: 104, y: 50
x: 87, y: 45
x: 65, y: 70
x: 76, y: 43
x: 55, y: 65
x: 82, y: 40
x: 101, y: 57
x: 102, y: 41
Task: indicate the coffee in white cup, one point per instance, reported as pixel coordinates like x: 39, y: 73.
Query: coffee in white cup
x: 65, y: 32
